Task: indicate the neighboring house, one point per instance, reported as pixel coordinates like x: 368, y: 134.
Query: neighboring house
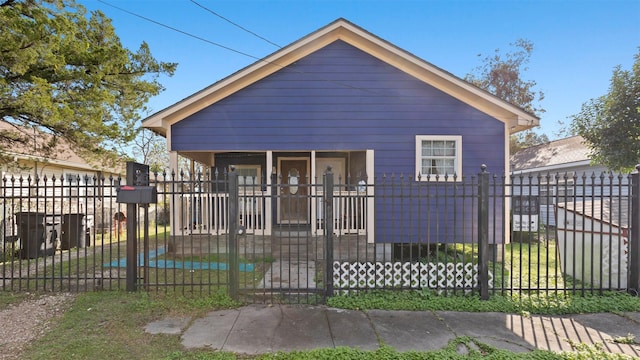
x: 30, y: 160
x: 345, y: 98
x: 55, y: 181
x: 561, y: 171
x: 558, y: 156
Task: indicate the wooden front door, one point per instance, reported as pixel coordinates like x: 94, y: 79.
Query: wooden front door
x: 293, y: 196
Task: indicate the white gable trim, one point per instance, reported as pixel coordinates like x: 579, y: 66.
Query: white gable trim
x: 515, y: 118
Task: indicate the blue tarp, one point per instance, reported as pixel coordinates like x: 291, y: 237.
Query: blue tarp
x: 173, y: 264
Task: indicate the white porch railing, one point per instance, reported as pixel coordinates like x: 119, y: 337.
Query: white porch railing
x: 208, y: 213
x: 252, y: 210
x: 349, y: 213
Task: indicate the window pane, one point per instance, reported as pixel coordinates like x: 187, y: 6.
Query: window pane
x: 436, y: 147
x: 426, y: 166
x: 248, y: 174
x: 427, y: 148
x: 445, y: 166
x: 438, y: 157
x: 544, y: 196
x: 450, y: 148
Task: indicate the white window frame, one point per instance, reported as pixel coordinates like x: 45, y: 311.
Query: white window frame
x: 556, y: 191
x: 457, y: 161
x: 256, y: 167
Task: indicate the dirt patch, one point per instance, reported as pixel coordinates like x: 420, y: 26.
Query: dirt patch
x: 28, y: 320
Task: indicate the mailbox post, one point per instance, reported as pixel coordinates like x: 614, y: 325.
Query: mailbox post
x: 136, y: 192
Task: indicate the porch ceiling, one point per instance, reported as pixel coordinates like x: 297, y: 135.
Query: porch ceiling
x: 204, y: 158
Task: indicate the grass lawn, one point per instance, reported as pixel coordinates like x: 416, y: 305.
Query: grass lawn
x: 525, y: 266
x: 109, y: 325
x: 102, y: 266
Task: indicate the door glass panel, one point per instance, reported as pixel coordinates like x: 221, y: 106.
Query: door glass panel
x: 294, y: 180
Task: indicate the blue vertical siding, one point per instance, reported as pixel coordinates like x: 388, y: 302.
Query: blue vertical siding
x: 341, y: 98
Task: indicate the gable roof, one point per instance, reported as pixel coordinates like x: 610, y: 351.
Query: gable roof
x: 516, y: 118
x: 61, y: 155
x: 570, y: 151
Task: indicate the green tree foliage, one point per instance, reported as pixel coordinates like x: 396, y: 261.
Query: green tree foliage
x: 525, y: 140
x: 610, y: 124
x: 66, y: 73
x: 501, y: 75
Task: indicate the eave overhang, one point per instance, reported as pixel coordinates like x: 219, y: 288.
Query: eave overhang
x: 515, y: 118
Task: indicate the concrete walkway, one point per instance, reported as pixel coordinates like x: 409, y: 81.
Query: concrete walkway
x: 260, y: 329
x: 290, y: 275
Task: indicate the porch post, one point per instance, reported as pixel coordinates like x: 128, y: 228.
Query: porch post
x: 634, y: 235
x: 371, y: 213
x: 175, y: 218
x: 268, y: 214
x: 233, y: 234
x: 314, y: 191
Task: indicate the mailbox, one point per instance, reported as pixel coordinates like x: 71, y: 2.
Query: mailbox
x: 137, y: 194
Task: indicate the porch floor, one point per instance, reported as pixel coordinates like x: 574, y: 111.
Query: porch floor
x: 292, y: 246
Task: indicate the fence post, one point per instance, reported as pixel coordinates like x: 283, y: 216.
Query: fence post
x: 233, y: 234
x: 328, y: 228
x: 483, y: 232
x: 132, y: 247
x: 634, y: 236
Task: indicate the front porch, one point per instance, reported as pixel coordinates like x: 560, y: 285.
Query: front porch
x: 280, y: 245
x: 276, y: 189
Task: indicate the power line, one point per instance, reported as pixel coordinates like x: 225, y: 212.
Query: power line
x: 234, y: 24
x: 346, y: 85
x: 181, y: 31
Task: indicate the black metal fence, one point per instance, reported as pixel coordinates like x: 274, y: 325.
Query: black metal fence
x: 60, y: 234
x: 267, y: 240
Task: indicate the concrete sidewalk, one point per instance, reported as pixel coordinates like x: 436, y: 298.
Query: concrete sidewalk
x: 260, y: 329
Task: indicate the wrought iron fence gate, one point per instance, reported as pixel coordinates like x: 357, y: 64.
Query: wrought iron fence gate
x: 272, y: 241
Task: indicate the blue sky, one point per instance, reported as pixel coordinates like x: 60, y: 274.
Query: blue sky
x: 576, y: 43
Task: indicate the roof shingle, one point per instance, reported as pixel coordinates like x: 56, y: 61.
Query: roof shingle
x: 563, y: 151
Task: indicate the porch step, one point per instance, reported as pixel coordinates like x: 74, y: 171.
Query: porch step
x: 277, y: 240
x: 294, y: 249
x: 293, y: 252
x: 291, y: 234
x: 293, y: 242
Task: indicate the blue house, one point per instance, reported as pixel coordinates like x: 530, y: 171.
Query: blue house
x: 345, y: 98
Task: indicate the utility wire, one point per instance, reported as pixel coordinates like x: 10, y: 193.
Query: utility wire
x: 181, y: 31
x: 346, y: 85
x: 234, y: 24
